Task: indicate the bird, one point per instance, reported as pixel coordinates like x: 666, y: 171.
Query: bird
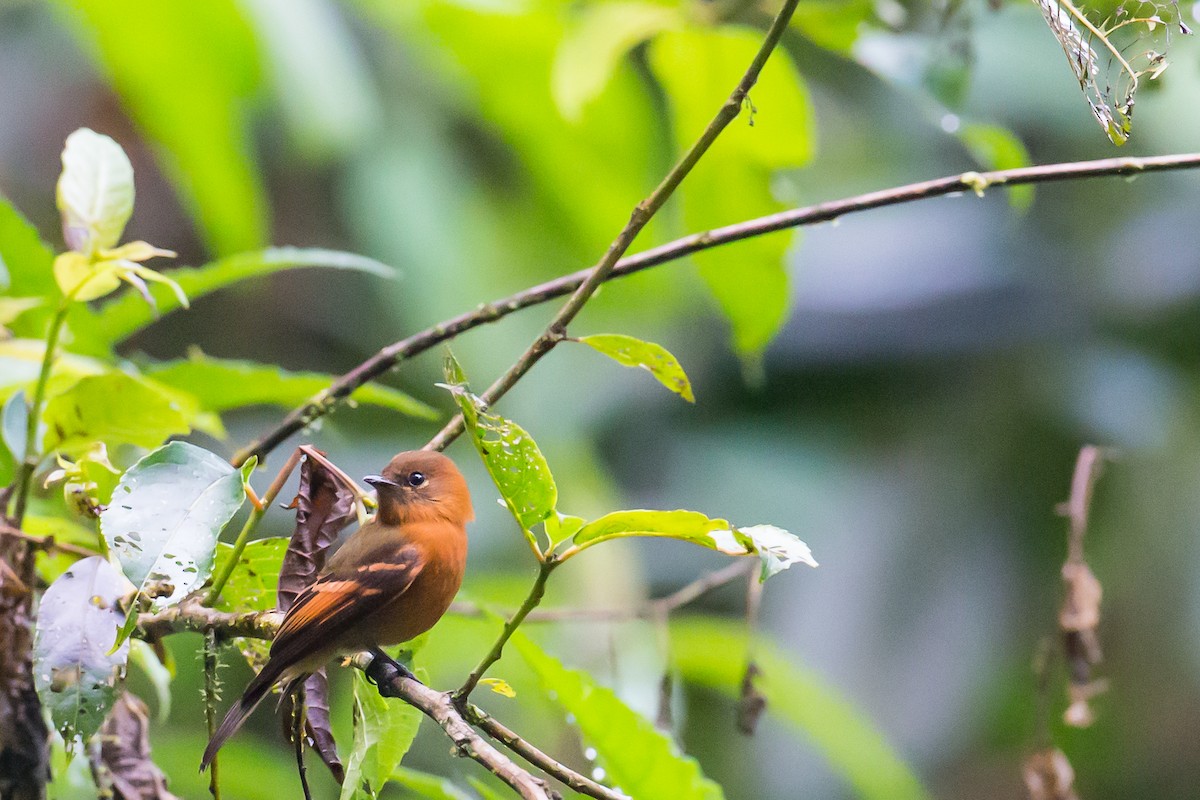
x: 391, y: 581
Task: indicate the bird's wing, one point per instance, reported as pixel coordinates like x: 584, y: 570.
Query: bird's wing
x: 340, y: 598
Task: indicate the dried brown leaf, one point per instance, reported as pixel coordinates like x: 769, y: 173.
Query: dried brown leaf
x: 323, y: 507
x: 1049, y: 776
x: 124, y: 764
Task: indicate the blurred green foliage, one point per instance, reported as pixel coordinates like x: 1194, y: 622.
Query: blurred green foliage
x: 924, y: 375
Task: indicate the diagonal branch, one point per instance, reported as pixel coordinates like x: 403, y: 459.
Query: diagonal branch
x: 392, y: 355
x: 556, y: 331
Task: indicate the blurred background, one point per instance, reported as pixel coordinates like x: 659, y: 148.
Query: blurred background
x: 915, y: 419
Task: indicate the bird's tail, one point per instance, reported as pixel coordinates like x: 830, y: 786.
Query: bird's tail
x: 241, y: 710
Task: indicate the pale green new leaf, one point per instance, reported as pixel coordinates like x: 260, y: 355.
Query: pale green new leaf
x: 633, y: 352
x: 166, y: 514
x: 638, y: 758
x: 596, y: 39
x: 384, y: 729
x: 690, y: 526
x: 799, y: 697
x: 222, y: 384
x: 777, y: 548
x: 113, y: 408
x: 75, y: 669
x: 253, y: 583
x: 125, y: 315
x: 95, y: 192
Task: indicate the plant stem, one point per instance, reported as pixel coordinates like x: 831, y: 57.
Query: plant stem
x: 536, y: 593
x: 31, y: 456
x: 252, y: 521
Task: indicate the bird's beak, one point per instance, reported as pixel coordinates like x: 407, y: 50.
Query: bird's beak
x: 379, y: 480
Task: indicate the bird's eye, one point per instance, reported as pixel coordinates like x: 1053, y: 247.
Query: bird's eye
x: 416, y: 479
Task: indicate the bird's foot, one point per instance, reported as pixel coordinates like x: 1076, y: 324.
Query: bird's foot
x: 384, y: 669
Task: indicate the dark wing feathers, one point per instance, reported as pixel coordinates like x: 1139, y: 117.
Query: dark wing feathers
x: 342, y: 597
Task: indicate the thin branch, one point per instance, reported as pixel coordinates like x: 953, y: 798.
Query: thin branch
x: 556, y: 331
x: 439, y: 707
x: 390, y: 356
x: 569, y: 777
x: 46, y: 542
x: 536, y: 592
x: 192, y: 615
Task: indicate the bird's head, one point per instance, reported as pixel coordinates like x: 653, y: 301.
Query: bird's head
x: 421, y: 484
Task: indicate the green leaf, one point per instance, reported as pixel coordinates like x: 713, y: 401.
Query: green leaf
x: 698, y: 69
x: 221, y: 384
x: 95, y: 192
x: 125, y: 315
x: 638, y: 758
x: 631, y: 352
x: 690, y: 526
x: 851, y: 744
x: 21, y: 361
x: 26, y: 263
x: 777, y: 548
x: 996, y: 148
x: 833, y: 24
x: 73, y: 669
x: 423, y: 784
x: 252, y: 584
x: 114, y: 408
x: 166, y: 514
x: 186, y: 73
x: 511, y: 456
x: 560, y: 527
x: 384, y: 729
x: 597, y: 39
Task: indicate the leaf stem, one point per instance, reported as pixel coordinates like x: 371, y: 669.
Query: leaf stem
x: 256, y: 514
x: 536, y: 593
x: 31, y: 456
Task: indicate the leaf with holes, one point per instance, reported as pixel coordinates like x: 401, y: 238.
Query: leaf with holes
x: 74, y: 671
x: 253, y: 583
x: 166, y: 514
x: 511, y: 456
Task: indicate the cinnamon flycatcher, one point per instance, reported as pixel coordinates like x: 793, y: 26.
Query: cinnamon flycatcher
x: 391, y: 581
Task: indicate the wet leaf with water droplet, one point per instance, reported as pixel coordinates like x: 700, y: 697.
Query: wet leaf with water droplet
x: 511, y: 456
x: 74, y: 672
x: 176, y: 501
